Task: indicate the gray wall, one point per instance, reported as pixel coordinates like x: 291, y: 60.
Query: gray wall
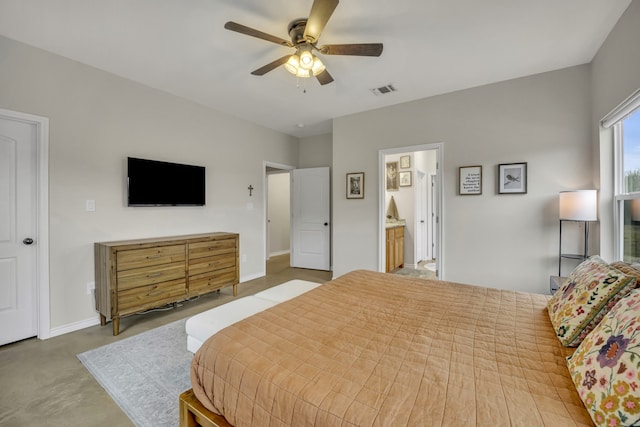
x: 615, y: 76
x: 315, y: 151
x: 96, y: 121
x: 504, y: 241
x: 279, y: 213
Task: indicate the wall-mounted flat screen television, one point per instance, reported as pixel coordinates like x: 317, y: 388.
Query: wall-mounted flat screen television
x: 155, y: 183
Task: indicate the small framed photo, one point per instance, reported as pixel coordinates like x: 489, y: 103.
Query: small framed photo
x: 405, y: 162
x: 470, y: 180
x: 355, y: 185
x: 392, y: 176
x: 405, y: 179
x: 512, y: 178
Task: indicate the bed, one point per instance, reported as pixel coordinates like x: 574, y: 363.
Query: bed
x: 373, y: 348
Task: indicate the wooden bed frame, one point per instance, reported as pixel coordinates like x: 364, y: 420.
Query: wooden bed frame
x: 194, y: 414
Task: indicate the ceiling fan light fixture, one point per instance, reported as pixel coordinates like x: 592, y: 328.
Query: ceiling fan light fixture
x: 303, y: 73
x: 318, y: 67
x: 293, y: 64
x: 306, y: 59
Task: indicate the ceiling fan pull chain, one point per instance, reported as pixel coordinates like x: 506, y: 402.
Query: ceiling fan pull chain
x: 300, y: 84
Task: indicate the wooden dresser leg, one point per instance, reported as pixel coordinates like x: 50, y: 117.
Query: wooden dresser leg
x: 103, y: 320
x: 116, y: 326
x: 235, y: 290
x: 186, y: 416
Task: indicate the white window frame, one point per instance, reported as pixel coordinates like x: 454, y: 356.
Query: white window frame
x: 614, y: 119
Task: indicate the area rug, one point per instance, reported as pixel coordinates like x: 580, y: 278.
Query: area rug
x: 422, y: 274
x: 431, y: 266
x: 145, y: 374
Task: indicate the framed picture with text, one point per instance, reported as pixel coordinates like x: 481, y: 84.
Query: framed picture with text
x: 405, y: 162
x: 470, y: 180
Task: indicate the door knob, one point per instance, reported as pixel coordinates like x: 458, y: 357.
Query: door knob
x: 326, y: 223
x: 28, y: 241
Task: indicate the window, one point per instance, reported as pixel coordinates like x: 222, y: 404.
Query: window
x: 627, y: 182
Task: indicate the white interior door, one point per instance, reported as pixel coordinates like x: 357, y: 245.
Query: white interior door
x: 18, y: 303
x: 310, y: 215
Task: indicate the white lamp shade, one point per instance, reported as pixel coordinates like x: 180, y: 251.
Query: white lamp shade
x: 579, y: 205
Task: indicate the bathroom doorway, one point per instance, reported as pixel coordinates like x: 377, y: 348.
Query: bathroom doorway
x: 410, y: 189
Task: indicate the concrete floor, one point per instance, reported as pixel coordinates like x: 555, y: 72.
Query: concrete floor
x: 42, y: 383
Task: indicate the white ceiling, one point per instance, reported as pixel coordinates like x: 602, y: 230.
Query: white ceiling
x: 430, y: 47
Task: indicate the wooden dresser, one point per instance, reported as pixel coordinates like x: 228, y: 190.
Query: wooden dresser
x: 137, y: 275
x: 395, y: 248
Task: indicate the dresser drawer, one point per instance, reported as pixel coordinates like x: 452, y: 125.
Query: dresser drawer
x: 144, y: 297
x: 150, y: 275
x: 136, y: 258
x: 211, y: 263
x: 212, y: 247
x: 206, y: 282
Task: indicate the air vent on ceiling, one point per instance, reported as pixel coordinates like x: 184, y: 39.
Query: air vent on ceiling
x: 383, y: 90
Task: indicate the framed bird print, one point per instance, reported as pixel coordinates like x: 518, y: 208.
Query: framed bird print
x: 512, y: 178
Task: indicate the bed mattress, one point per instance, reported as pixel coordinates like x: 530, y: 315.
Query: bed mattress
x: 378, y: 349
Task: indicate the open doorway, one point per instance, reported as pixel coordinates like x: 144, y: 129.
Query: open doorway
x: 277, y: 209
x: 410, y: 206
x: 297, y: 215
x: 278, y: 212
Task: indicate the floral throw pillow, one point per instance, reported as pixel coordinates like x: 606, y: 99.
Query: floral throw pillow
x: 585, y: 297
x: 628, y: 269
x: 605, y: 368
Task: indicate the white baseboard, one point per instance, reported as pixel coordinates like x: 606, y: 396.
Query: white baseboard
x: 252, y: 276
x: 76, y: 326
x: 279, y: 253
x: 72, y: 327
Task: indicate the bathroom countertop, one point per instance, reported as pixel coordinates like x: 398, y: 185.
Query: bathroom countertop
x: 395, y: 223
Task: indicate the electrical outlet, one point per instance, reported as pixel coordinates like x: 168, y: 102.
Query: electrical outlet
x: 91, y: 286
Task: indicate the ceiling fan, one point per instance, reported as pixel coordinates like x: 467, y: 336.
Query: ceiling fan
x: 304, y: 34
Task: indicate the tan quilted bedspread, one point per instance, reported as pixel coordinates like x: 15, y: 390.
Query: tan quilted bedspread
x: 375, y: 349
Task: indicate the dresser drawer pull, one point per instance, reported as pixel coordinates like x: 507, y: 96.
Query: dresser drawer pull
x: 154, y: 291
x: 154, y: 275
x: 154, y: 257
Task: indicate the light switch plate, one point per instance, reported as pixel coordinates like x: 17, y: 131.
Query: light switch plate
x: 90, y: 205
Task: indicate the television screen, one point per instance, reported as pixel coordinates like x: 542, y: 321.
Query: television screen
x: 155, y: 183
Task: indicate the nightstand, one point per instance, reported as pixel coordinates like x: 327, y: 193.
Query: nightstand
x: 555, y: 282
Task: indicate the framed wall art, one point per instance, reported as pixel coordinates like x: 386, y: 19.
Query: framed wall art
x: 405, y: 162
x: 512, y: 178
x: 470, y: 180
x: 405, y: 179
x: 355, y: 185
x: 392, y: 176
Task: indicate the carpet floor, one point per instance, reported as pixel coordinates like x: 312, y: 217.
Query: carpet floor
x: 145, y: 374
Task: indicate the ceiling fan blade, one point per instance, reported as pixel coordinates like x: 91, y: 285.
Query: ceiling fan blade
x: 270, y: 66
x: 321, y: 11
x: 324, y: 77
x: 361, y: 49
x: 243, y: 29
